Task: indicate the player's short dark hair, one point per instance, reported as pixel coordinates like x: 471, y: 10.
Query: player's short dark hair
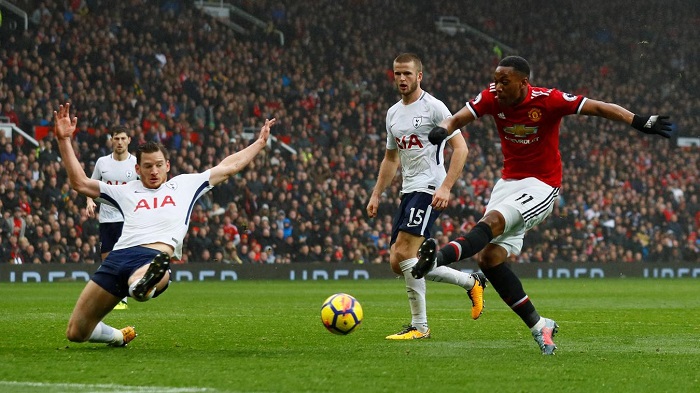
x: 151, y: 147
x: 118, y: 129
x: 517, y: 63
x: 410, y: 57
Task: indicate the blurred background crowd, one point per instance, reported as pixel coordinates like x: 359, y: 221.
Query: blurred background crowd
x: 171, y: 73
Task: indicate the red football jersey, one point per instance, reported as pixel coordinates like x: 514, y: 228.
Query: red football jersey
x: 529, y: 131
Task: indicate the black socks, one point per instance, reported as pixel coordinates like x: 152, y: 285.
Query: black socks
x: 470, y: 244
x: 509, y: 287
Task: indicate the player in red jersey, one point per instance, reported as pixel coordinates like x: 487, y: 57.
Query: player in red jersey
x: 528, y: 120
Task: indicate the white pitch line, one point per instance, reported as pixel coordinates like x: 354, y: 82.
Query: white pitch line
x: 104, y: 388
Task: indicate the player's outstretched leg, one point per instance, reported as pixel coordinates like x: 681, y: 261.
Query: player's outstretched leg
x: 544, y: 336
x: 144, y: 288
x: 426, y: 258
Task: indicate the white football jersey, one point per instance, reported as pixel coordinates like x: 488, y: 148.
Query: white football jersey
x: 111, y: 171
x: 156, y: 215
x: 407, y: 129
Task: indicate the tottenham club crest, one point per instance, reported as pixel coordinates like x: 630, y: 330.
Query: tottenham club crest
x: 129, y: 174
x: 417, y: 121
x: 171, y: 185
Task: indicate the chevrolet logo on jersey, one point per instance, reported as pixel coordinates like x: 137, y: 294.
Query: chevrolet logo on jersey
x: 520, y: 130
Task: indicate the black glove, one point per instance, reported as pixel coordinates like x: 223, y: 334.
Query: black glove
x: 437, y: 135
x: 652, y: 125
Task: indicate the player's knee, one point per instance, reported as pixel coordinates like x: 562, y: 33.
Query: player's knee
x: 75, y: 334
x: 395, y: 267
x: 486, y: 263
x: 402, y: 250
x: 496, y: 222
x: 491, y: 256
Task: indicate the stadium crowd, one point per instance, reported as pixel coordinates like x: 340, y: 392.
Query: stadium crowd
x: 173, y: 74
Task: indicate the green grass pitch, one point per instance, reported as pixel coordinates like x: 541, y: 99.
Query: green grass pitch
x: 616, y: 335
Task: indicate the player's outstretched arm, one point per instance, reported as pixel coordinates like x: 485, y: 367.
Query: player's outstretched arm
x: 64, y: 127
x: 460, y: 119
x: 647, y: 124
x: 653, y: 125
x: 239, y: 160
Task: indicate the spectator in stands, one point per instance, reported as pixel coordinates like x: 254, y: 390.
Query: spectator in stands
x: 83, y: 135
x: 88, y: 253
x: 16, y: 223
x: 230, y: 254
x: 10, y: 113
x: 8, y: 154
x: 304, y: 254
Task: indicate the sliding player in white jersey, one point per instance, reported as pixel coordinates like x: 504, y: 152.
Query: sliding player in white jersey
x: 425, y: 189
x: 156, y: 216
x: 114, y: 168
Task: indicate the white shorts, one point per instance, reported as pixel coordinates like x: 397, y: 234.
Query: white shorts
x: 523, y: 203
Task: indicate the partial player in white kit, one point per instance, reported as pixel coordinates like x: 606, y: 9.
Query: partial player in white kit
x: 116, y: 168
x: 156, y: 216
x: 425, y: 190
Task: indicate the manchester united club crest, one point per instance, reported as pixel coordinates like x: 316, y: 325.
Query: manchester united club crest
x: 417, y: 121
x: 535, y: 114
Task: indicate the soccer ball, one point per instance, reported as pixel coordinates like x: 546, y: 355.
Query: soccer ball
x: 341, y: 314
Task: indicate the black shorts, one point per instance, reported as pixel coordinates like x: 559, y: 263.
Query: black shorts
x: 113, y: 274
x: 109, y: 234
x: 415, y: 215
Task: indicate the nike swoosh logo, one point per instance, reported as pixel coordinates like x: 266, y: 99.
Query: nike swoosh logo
x: 140, y: 192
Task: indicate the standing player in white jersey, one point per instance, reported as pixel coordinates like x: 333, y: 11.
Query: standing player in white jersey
x: 156, y: 217
x: 425, y: 189
x: 115, y: 168
x: 528, y: 119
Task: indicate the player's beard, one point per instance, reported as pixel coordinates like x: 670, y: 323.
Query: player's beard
x: 412, y: 87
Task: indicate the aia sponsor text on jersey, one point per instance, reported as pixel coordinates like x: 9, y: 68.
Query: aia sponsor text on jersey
x: 407, y: 142
x: 155, y: 203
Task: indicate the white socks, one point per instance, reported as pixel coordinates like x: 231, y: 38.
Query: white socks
x: 416, y: 288
x: 104, y: 333
x: 416, y: 296
x: 451, y: 276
